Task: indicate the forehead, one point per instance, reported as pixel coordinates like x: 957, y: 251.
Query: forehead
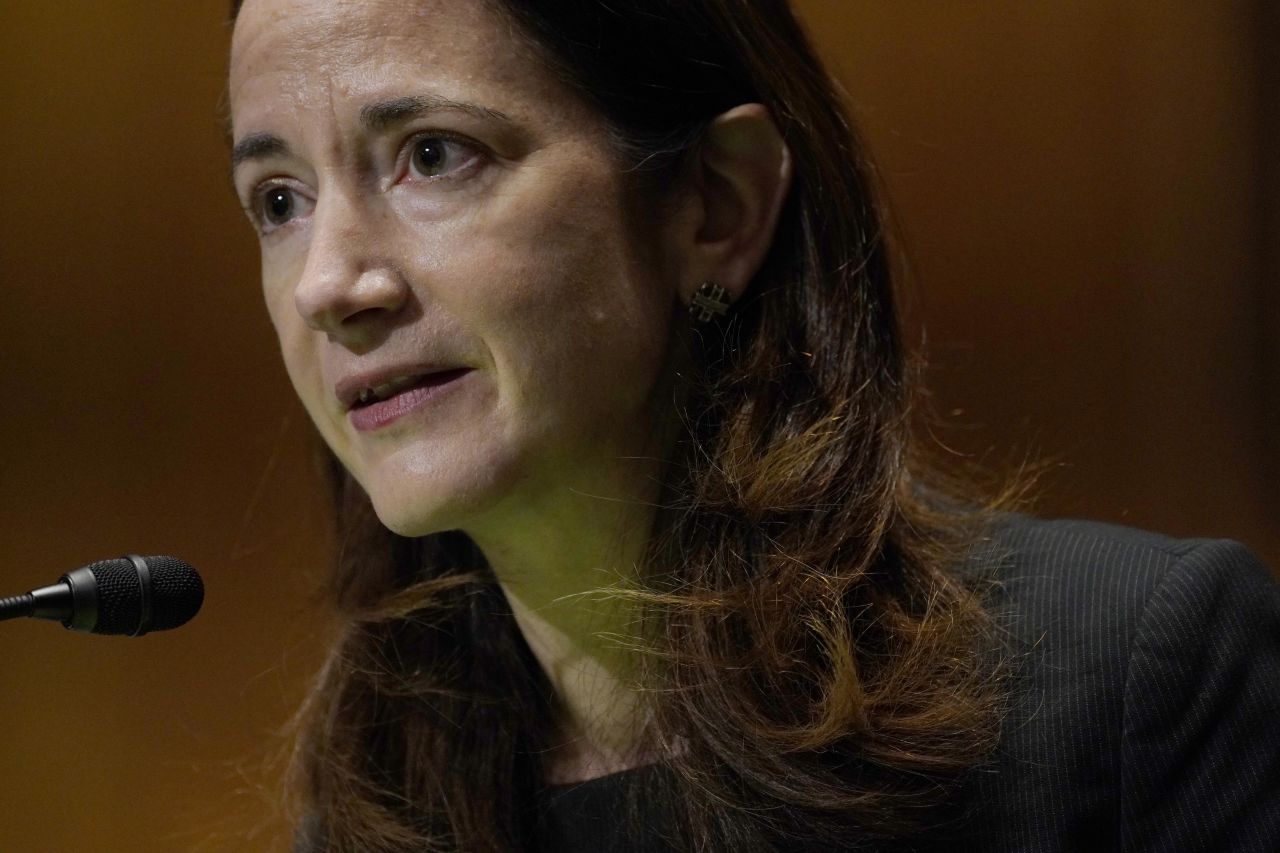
x: 350, y: 31
x: 313, y: 54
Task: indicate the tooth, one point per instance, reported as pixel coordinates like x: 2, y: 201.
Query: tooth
x: 387, y: 389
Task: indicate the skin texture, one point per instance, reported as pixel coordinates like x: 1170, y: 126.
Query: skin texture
x: 527, y: 258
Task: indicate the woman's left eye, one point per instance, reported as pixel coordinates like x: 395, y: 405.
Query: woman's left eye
x: 437, y: 156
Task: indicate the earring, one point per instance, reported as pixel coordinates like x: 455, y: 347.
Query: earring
x: 710, y: 301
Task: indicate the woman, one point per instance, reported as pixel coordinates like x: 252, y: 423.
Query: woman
x: 590, y: 303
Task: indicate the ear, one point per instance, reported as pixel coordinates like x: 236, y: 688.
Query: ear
x: 740, y: 181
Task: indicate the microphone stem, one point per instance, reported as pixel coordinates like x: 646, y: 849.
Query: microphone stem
x: 17, y: 606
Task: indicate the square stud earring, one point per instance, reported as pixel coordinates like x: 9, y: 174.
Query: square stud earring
x: 710, y: 301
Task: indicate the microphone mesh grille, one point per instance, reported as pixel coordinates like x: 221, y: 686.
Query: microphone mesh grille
x: 119, y: 605
x: 176, y: 592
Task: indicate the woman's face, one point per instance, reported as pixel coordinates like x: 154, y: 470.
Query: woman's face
x: 470, y: 305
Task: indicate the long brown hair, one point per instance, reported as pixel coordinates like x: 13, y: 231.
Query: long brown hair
x: 815, y: 665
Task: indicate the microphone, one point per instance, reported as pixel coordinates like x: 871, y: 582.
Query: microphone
x: 130, y: 595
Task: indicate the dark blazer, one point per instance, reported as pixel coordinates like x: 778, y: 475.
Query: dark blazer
x: 1146, y: 703
x: 1147, y: 716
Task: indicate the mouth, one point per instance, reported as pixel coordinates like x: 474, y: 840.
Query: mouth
x: 373, y: 394
x: 371, y: 407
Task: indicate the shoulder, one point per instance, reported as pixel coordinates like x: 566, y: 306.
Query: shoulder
x: 1088, y: 553
x: 1073, y: 581
x: 1138, y: 665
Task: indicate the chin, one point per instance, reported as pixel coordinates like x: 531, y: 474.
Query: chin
x: 415, y: 514
x: 410, y: 527
x: 417, y: 501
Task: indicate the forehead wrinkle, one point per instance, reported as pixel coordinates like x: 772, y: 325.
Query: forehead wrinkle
x: 345, y: 34
x: 303, y: 51
x: 297, y: 58
x: 315, y: 57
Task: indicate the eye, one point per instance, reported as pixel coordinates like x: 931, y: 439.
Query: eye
x: 276, y: 205
x: 437, y: 156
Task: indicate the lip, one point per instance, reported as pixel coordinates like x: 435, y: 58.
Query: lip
x: 349, y: 388
x: 377, y: 415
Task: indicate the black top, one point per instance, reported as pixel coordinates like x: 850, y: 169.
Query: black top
x: 1146, y: 709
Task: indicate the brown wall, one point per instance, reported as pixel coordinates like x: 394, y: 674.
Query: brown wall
x: 1092, y: 230
x: 1082, y: 191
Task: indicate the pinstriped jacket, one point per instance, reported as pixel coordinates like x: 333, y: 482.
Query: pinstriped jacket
x: 1148, y: 713
x: 1146, y: 705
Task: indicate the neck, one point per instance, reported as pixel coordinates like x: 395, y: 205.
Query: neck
x: 556, y: 565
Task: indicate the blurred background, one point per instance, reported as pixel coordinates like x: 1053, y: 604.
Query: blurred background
x: 1087, y: 196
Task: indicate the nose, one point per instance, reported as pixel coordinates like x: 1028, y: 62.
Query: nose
x: 350, y: 288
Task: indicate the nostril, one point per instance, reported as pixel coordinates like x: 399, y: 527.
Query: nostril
x: 336, y: 303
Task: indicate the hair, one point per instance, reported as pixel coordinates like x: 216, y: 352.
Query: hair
x: 817, y: 662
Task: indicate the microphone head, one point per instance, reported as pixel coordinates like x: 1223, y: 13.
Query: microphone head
x: 177, y: 592
x: 125, y: 598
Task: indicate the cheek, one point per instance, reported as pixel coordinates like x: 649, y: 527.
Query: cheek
x: 298, y: 342
x: 579, y: 335
x: 281, y: 267
x: 573, y: 261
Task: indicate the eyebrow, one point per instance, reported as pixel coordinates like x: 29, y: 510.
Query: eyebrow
x: 258, y: 146
x: 374, y: 118
x: 385, y: 115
